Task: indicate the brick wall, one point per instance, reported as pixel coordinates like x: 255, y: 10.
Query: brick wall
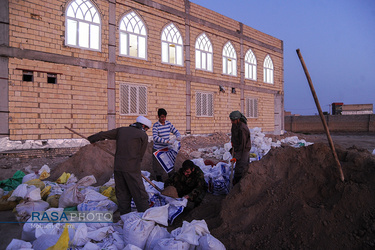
x: 336, y: 123
x: 86, y: 96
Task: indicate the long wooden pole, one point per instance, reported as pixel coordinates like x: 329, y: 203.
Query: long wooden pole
x: 109, y: 152
x: 321, y: 114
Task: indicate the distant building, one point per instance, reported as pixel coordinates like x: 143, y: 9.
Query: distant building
x: 351, y: 109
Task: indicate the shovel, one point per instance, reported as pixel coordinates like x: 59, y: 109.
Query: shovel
x: 109, y: 152
x: 231, y: 172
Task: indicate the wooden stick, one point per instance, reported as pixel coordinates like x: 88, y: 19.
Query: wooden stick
x: 321, y: 114
x: 109, y: 152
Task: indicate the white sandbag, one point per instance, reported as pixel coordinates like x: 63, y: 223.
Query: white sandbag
x: 118, y: 240
x: 33, y: 194
x: 72, y: 196
x: 191, y: 232
x: 28, y: 230
x: 373, y: 152
x: 100, y: 233
x: 91, y: 246
x: 156, y: 234
x: 136, y: 230
x: 157, y: 214
x: 48, y: 228
x: 132, y: 247
x: 29, y: 177
x: 171, y: 244
x: 19, y: 244
x: 19, y: 192
x: 80, y: 237
x: 105, y: 205
x: 91, y: 195
x: 45, y: 241
x: 24, y: 209
x: 209, y: 242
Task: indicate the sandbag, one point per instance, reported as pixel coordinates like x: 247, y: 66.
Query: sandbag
x: 45, y: 241
x: 53, y: 200
x: 72, y: 196
x: 80, y: 236
x: 37, y: 183
x: 171, y: 244
x: 24, y: 209
x: 19, y: 244
x: 156, y: 234
x: 209, y: 242
x: 136, y: 230
x: 6, y: 205
x: 157, y: 214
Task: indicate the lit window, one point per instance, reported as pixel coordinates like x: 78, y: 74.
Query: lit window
x: 250, y: 65
x: 229, y: 60
x: 133, y: 99
x: 204, y: 104
x: 133, y: 36
x: 268, y: 70
x: 171, y: 45
x: 83, y: 28
x: 251, y: 108
x: 203, y: 53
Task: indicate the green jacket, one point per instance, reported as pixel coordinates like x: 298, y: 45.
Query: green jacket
x: 194, y: 185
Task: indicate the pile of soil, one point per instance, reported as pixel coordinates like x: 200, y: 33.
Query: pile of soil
x: 294, y: 199
x: 93, y: 160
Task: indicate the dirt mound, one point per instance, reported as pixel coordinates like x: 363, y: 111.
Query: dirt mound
x: 89, y: 160
x: 92, y: 160
x: 293, y: 198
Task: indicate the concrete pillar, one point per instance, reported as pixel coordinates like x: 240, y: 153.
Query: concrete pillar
x: 4, y: 71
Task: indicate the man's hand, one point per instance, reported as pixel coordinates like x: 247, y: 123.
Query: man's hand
x: 233, y: 160
x: 186, y: 197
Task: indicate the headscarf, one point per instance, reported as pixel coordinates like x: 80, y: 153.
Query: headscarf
x: 238, y: 115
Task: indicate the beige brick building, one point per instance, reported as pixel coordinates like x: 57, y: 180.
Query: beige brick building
x: 94, y: 65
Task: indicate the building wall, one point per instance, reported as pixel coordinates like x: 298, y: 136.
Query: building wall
x: 86, y: 96
x: 336, y: 123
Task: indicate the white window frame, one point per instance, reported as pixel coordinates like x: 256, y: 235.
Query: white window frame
x: 268, y: 70
x: 172, y: 47
x: 82, y: 15
x: 252, y: 107
x: 131, y: 102
x: 229, y: 60
x: 250, y: 65
x: 203, y: 53
x: 204, y: 104
x: 132, y: 31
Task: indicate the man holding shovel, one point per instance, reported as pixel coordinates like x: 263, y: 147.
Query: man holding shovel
x: 131, y: 144
x: 241, y: 144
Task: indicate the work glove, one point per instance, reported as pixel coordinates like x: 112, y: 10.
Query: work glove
x: 233, y: 160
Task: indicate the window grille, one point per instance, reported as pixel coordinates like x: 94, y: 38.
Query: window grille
x: 133, y: 99
x: 83, y: 27
x: 133, y: 36
x: 203, y: 53
x: 171, y: 45
x: 204, y: 104
x: 268, y: 70
x: 229, y: 60
x: 251, y: 108
x: 250, y: 65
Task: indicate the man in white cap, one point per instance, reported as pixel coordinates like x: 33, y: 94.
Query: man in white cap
x: 131, y: 144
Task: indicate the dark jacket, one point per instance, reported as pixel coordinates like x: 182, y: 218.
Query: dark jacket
x: 131, y: 145
x: 240, y: 139
x: 194, y: 185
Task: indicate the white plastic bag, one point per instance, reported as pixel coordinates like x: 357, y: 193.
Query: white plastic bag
x: 100, y: 233
x: 136, y: 230
x: 80, y: 237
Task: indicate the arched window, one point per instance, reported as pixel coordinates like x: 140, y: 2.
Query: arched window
x: 229, y: 59
x: 203, y: 53
x: 83, y: 27
x: 133, y: 36
x: 250, y: 65
x: 171, y: 45
x: 268, y: 70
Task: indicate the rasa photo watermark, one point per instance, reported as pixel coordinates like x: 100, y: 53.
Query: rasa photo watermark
x: 71, y: 217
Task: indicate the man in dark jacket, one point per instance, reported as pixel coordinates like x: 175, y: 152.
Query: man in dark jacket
x: 241, y: 144
x: 189, y: 183
x: 131, y: 144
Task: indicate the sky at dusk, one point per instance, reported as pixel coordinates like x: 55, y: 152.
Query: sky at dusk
x: 336, y: 39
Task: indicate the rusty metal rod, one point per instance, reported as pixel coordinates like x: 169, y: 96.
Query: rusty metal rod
x: 109, y: 152
x: 326, y: 129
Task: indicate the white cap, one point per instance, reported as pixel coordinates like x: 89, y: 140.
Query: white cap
x: 143, y: 120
